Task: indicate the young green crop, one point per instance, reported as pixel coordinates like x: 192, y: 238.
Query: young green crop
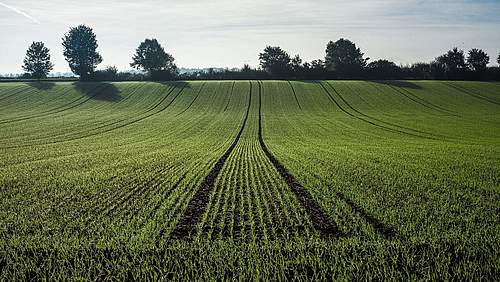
x: 96, y: 177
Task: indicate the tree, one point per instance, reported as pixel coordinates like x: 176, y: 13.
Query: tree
x: 275, y: 61
x: 152, y: 58
x: 37, y: 61
x: 296, y: 64
x: 110, y: 73
x: 478, y: 60
x: 318, y: 65
x: 383, y: 69
x: 246, y: 68
x: 80, y: 49
x: 498, y: 59
x: 420, y: 70
x: 344, y: 57
x: 453, y: 60
x: 437, y: 70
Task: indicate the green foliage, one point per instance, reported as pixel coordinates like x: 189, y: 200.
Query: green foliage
x: 453, y: 60
x: 80, y: 50
x: 37, y: 61
x: 94, y: 178
x: 344, y: 57
x: 275, y: 61
x: 151, y: 57
x: 383, y: 69
x: 478, y: 60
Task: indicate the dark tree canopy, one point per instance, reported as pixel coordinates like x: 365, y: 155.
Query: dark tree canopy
x: 344, y: 57
x: 110, y: 73
x: 275, y: 61
x: 420, y: 70
x: 383, y: 69
x: 37, y: 61
x: 478, y: 60
x: 296, y: 64
x: 80, y: 50
x: 151, y: 57
x: 498, y: 59
x: 453, y: 61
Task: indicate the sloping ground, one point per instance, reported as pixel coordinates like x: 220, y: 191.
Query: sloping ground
x: 250, y: 180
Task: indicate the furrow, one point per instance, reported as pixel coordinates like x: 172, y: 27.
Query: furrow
x: 197, y: 206
x: 319, y: 219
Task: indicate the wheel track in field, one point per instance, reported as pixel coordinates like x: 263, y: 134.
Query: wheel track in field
x: 385, y: 230
x: 86, y: 130
x: 303, y: 196
x: 192, y: 102
x: 16, y: 90
x: 31, y: 93
x: 230, y: 96
x: 294, y: 94
x: 196, y: 207
x: 411, y: 130
x: 431, y: 106
x: 148, y: 140
x: 66, y: 107
x: 152, y: 213
x: 148, y: 114
x: 365, y: 120
x: 470, y: 93
x: 320, y: 221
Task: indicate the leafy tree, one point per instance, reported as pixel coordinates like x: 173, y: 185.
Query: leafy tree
x: 296, y: 64
x: 110, y: 73
x: 453, y: 60
x: 80, y: 49
x: 37, y: 61
x: 383, y: 69
x: 318, y: 65
x: 246, y: 68
x: 275, y: 61
x: 344, y: 57
x: 437, y: 70
x: 150, y: 56
x: 478, y: 60
x: 498, y: 59
x: 420, y: 70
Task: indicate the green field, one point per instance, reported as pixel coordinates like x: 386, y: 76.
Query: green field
x: 250, y: 180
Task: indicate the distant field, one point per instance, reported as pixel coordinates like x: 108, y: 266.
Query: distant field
x: 250, y: 180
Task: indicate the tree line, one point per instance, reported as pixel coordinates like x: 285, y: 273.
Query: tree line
x: 343, y: 60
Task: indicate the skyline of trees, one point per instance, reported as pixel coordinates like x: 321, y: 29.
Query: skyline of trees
x: 343, y: 60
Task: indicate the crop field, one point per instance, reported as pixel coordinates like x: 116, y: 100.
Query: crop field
x: 240, y: 180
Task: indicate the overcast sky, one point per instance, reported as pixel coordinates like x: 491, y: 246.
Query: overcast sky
x: 230, y: 33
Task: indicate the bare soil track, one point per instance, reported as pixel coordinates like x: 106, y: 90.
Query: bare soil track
x: 321, y: 222
x: 186, y: 227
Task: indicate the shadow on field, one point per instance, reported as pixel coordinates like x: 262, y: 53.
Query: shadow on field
x: 398, y: 83
x: 103, y: 91
x: 42, y: 85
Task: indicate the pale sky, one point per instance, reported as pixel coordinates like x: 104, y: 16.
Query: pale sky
x: 230, y: 33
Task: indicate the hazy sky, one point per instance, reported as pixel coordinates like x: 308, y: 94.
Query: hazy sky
x: 229, y: 33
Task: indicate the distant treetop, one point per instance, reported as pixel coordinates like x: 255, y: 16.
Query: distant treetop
x: 478, y: 60
x: 275, y: 61
x: 80, y: 49
x: 150, y: 56
x: 344, y: 57
x: 37, y: 61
